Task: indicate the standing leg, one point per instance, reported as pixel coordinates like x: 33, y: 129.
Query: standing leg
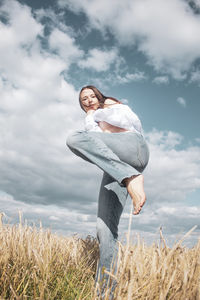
x: 112, y: 199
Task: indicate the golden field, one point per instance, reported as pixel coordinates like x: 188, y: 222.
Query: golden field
x: 37, y: 264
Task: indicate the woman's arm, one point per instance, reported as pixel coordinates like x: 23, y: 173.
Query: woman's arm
x: 119, y: 115
x: 90, y: 124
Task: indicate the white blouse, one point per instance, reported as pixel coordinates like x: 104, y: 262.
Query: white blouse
x: 119, y: 115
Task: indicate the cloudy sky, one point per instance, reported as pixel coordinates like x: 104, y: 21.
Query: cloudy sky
x: 145, y: 53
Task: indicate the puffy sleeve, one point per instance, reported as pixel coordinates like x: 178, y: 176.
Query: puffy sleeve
x: 119, y: 115
x: 91, y: 125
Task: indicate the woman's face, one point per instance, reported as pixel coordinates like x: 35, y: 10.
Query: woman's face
x: 89, y: 100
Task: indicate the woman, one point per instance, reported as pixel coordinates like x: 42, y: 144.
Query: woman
x: 113, y: 140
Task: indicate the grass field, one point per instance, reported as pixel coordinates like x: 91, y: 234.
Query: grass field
x: 37, y: 264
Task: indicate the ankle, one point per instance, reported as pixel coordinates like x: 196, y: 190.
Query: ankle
x: 127, y: 180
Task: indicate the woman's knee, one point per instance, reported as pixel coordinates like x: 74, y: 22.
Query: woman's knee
x: 73, y: 139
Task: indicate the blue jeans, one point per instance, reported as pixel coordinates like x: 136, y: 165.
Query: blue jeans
x: 119, y: 155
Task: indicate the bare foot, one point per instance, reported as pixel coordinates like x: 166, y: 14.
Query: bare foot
x: 135, y: 188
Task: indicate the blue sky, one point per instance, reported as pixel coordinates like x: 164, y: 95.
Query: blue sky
x: 145, y: 53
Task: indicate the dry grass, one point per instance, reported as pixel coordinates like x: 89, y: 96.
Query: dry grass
x: 158, y: 273
x: 36, y: 264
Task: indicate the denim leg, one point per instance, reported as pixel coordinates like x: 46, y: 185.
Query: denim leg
x: 119, y: 155
x: 97, y: 148
x: 112, y: 199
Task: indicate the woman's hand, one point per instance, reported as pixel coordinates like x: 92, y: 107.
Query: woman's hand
x: 90, y: 111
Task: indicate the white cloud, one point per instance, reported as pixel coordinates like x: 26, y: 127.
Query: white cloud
x: 23, y: 28
x: 65, y: 46
x: 195, y: 77
x: 181, y: 101
x: 161, y: 80
x: 25, y: 66
x: 99, y: 60
x: 54, y: 19
x: 130, y: 77
x: 60, y: 219
x: 171, y: 174
x: 173, y: 220
x: 38, y: 109
x: 197, y: 140
x: 165, y: 139
x: 167, y: 32
x: 119, y: 76
x: 196, y: 2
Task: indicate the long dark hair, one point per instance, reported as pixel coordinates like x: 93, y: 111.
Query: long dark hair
x: 101, y: 97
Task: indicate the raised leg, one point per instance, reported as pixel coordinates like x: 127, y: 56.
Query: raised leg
x: 106, y: 151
